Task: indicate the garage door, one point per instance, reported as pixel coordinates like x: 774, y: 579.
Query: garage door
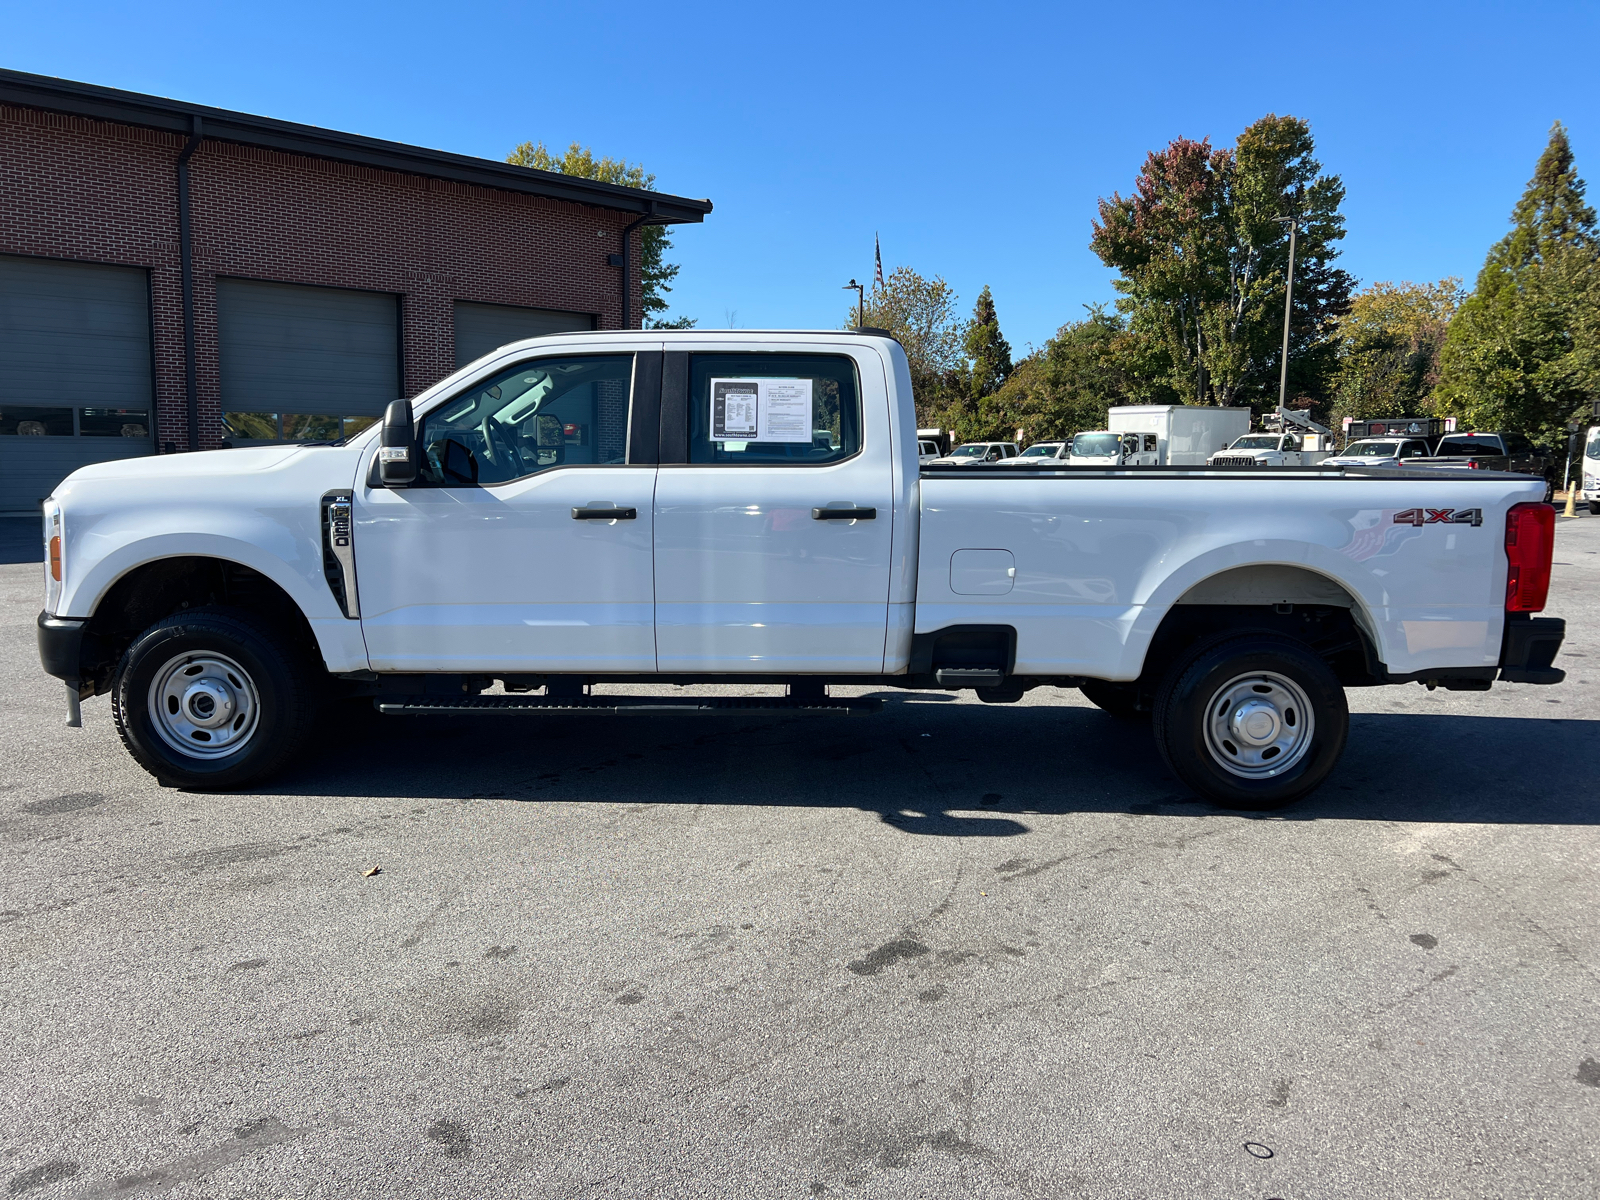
x: 304, y: 363
x: 74, y: 372
x: 481, y: 328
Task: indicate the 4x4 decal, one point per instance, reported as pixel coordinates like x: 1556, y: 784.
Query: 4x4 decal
x: 1439, y: 516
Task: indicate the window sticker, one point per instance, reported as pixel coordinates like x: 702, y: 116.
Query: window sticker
x: 761, y: 410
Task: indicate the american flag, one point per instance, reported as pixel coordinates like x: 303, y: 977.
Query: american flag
x: 877, y: 254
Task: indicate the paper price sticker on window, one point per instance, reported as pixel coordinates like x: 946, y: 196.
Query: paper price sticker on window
x: 761, y: 410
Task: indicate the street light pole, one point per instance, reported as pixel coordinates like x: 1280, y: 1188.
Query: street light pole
x: 861, y: 301
x: 1288, y: 305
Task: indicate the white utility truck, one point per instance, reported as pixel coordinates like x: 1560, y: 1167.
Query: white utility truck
x: 624, y: 507
x: 1590, y: 469
x: 1159, y: 435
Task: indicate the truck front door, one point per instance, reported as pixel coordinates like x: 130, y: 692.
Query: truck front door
x: 504, y: 556
x: 773, y: 514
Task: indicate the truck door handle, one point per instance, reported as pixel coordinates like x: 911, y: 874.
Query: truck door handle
x: 605, y: 514
x: 844, y: 514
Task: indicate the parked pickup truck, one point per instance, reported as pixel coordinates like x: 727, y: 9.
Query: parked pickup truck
x: 626, y: 507
x: 1490, y: 452
x: 1265, y: 450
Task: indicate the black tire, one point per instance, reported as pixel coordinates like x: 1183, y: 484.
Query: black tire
x: 1594, y: 508
x: 1186, y: 724
x: 1120, y: 700
x: 278, y: 691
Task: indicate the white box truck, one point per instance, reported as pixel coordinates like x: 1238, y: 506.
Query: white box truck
x: 1186, y: 434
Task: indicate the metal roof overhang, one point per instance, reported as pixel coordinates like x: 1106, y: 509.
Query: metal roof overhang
x: 155, y: 112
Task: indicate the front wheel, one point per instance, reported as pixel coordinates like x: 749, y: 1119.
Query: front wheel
x: 1594, y: 508
x: 212, y: 699
x: 1251, y: 721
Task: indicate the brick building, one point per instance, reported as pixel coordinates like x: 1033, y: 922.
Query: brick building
x: 177, y: 277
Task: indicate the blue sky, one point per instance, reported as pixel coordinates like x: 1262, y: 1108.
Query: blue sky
x: 974, y: 138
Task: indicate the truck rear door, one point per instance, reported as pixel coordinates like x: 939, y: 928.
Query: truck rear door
x: 773, y: 513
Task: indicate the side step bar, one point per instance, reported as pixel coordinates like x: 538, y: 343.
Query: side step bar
x: 614, y: 705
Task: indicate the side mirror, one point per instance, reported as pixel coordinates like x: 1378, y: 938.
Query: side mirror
x: 397, y: 461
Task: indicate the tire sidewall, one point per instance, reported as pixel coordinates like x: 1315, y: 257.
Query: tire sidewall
x: 200, y: 632
x: 1182, y: 708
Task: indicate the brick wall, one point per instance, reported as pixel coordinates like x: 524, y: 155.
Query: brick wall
x: 103, y: 192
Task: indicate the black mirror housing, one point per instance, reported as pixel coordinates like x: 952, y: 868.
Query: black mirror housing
x: 397, y: 454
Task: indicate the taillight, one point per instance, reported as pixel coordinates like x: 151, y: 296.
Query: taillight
x: 55, y: 558
x: 1530, y: 545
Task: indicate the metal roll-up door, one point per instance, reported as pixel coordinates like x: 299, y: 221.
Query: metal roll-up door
x: 75, y: 384
x: 304, y: 363
x: 481, y: 328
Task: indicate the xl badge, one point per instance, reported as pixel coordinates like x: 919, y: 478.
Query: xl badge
x: 1439, y: 516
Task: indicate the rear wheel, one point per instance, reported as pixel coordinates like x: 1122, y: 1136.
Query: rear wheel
x: 213, y: 699
x: 1251, y: 721
x: 1120, y: 700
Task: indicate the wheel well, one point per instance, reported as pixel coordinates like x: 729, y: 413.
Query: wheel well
x: 1331, y: 631
x: 158, y: 589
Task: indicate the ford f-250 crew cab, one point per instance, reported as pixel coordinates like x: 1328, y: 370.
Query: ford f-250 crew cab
x: 626, y: 507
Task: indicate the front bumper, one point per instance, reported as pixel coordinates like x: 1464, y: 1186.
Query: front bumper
x: 61, y: 646
x: 1529, y: 647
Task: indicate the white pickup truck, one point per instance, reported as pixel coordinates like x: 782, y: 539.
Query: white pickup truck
x: 1265, y: 450
x: 626, y: 507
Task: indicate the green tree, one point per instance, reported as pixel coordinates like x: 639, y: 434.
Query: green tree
x: 988, y: 352
x: 1389, y: 345
x: 1202, y: 257
x: 655, y: 272
x: 921, y: 313
x: 1068, y: 384
x: 1521, y: 352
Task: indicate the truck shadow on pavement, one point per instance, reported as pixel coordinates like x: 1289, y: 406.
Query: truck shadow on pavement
x: 950, y: 770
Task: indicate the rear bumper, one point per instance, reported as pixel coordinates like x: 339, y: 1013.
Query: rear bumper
x: 61, y: 646
x: 1529, y: 647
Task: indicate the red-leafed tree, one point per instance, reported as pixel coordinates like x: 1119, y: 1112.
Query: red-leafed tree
x: 1202, y: 260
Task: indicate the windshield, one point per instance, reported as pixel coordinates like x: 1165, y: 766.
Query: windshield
x: 1476, y: 445
x: 1042, y: 451
x: 1593, y: 450
x: 1372, y: 450
x: 1097, y: 445
x: 968, y: 452
x: 1268, y: 442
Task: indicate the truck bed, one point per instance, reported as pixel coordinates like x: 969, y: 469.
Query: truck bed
x: 1102, y: 555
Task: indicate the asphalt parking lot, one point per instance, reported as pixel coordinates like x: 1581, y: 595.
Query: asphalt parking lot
x: 953, y: 950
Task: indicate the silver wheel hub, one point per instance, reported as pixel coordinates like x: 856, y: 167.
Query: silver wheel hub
x: 204, y: 705
x: 1259, y: 725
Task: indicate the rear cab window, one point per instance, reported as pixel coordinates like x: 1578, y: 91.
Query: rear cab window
x: 775, y: 409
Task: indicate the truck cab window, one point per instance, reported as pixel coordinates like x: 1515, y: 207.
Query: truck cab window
x: 540, y: 414
x: 778, y: 409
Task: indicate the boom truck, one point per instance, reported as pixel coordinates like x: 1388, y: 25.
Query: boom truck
x: 576, y: 513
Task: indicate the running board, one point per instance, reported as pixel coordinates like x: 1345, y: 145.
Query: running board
x: 616, y: 705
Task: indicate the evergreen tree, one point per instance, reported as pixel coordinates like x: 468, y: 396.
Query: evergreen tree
x: 655, y: 272
x: 1521, y: 354
x: 987, y: 350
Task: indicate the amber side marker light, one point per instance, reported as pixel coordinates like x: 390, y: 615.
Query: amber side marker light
x: 55, y: 558
x: 1530, y: 545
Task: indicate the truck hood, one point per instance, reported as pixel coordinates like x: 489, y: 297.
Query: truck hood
x: 1360, y: 461
x: 189, y: 466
